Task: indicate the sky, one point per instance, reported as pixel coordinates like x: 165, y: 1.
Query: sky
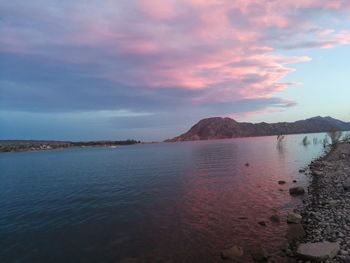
x: 150, y: 69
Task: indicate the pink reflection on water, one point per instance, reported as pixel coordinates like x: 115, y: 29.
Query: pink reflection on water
x: 224, y: 200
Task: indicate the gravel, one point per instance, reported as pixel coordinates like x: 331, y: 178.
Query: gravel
x: 326, y: 212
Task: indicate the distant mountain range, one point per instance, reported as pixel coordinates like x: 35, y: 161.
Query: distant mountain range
x: 223, y: 128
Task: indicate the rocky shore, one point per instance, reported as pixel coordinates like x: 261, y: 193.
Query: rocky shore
x: 319, y: 230
x: 326, y: 212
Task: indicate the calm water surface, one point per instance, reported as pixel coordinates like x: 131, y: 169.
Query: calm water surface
x: 167, y: 202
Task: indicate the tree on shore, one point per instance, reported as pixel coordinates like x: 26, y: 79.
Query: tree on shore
x: 305, y: 141
x: 346, y: 137
x: 335, y: 136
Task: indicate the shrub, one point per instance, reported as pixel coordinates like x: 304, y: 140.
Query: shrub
x: 335, y: 136
x: 305, y: 141
x: 346, y: 137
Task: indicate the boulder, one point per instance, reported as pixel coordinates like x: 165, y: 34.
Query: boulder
x: 319, y: 251
x: 232, y: 253
x: 294, y: 218
x: 298, y: 190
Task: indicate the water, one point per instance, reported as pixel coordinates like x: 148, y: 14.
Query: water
x: 167, y: 202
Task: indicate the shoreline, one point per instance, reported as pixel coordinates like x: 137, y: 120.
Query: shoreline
x: 36, y: 146
x: 326, y: 210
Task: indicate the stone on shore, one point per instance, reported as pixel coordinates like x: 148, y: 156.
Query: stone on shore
x: 258, y: 253
x: 298, y: 190
x: 317, y: 173
x: 318, y: 251
x: 281, y: 182
x: 295, y: 231
x: 346, y: 184
x: 294, y: 218
x: 233, y: 253
x: 275, y: 219
x: 262, y: 223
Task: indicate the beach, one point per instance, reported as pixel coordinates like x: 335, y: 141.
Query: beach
x: 326, y: 212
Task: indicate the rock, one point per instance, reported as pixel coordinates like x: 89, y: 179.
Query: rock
x: 232, y: 253
x: 295, y: 231
x: 281, y: 182
x: 318, y: 251
x: 289, y: 252
x: 346, y: 184
x: 317, y: 173
x: 247, y: 164
x: 302, y: 171
x: 294, y: 218
x: 298, y: 190
x: 262, y: 223
x: 294, y: 181
x: 332, y: 202
x: 275, y: 219
x: 258, y: 253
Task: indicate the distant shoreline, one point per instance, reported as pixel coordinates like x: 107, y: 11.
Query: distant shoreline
x: 40, y: 145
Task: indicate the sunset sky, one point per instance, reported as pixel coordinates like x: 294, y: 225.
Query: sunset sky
x: 150, y: 69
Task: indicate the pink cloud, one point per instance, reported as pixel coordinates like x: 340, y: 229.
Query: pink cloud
x: 226, y: 49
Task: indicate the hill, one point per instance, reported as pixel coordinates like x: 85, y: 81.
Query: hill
x: 223, y: 128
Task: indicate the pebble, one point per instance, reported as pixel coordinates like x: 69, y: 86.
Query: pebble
x: 232, y: 253
x: 298, y: 190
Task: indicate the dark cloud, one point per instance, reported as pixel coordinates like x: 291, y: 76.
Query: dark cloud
x: 33, y: 83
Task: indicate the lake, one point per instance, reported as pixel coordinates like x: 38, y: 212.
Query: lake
x: 166, y: 202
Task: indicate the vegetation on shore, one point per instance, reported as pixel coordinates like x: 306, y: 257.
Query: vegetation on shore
x: 32, y: 145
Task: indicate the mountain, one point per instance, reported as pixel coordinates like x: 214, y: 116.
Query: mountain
x: 223, y: 128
